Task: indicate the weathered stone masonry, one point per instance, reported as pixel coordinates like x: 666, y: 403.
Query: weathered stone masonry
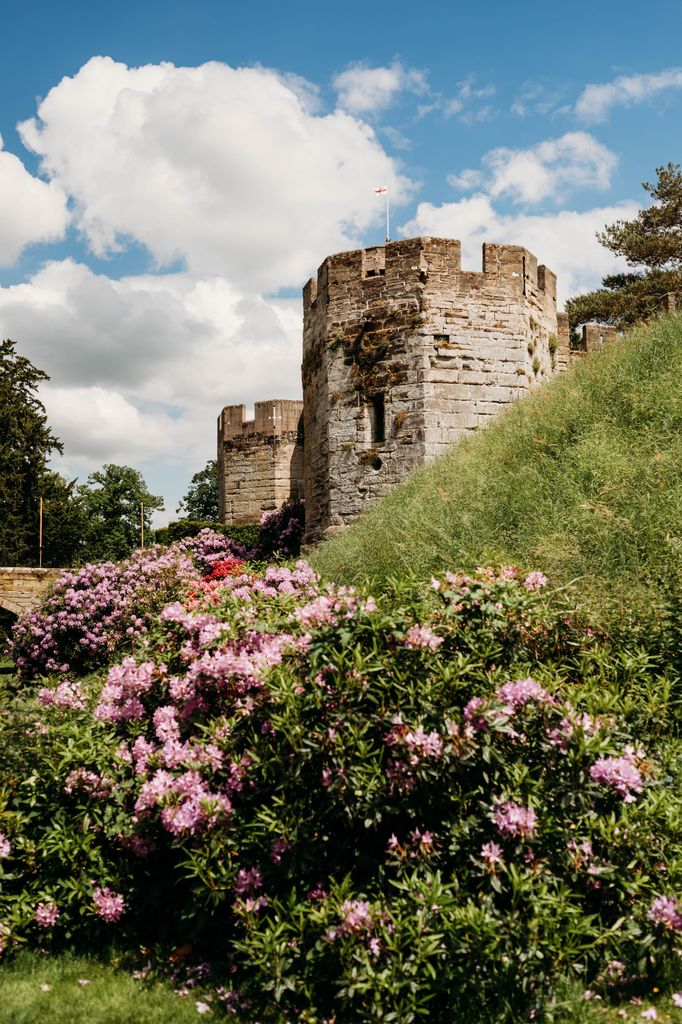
x: 260, y: 461
x: 403, y: 353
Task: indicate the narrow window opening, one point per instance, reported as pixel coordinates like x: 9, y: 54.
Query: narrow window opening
x: 377, y: 419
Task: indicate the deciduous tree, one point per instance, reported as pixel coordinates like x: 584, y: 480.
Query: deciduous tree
x: 201, y: 500
x: 112, y: 499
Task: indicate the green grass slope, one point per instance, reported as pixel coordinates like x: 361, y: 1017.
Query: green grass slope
x: 582, y: 479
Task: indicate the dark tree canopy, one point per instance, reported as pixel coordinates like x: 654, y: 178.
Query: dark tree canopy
x: 26, y: 444
x: 652, y: 245
x: 201, y: 500
x: 111, y: 500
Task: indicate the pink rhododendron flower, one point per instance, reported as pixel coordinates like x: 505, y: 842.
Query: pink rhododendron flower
x: 422, y: 636
x: 247, y: 880
x: 67, y: 695
x: 514, y: 819
x: 535, y: 581
x: 46, y: 915
x: 667, y: 912
x: 109, y: 905
x: 517, y: 694
x: 620, y: 773
x: 491, y: 853
x: 5, y: 846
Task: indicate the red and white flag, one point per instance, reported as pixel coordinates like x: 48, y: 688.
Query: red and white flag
x: 381, y: 190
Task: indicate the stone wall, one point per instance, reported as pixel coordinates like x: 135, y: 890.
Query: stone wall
x: 22, y: 589
x: 403, y: 353
x: 260, y: 461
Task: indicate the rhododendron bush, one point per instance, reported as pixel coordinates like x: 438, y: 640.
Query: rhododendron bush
x: 428, y: 806
x: 93, y: 612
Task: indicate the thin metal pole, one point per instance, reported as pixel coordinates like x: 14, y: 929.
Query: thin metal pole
x: 40, y: 533
x: 141, y: 525
x: 388, y: 223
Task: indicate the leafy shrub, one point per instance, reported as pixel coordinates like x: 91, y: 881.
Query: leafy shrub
x: 428, y: 808
x: 90, y: 614
x: 243, y: 535
x: 279, y: 533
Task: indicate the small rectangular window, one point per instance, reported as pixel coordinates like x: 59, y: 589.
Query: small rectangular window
x: 377, y: 419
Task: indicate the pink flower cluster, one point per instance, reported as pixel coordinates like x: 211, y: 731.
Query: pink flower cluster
x: 667, y: 912
x: 5, y: 847
x: 187, y: 804
x: 535, y: 581
x: 85, y: 781
x: 109, y: 905
x: 334, y: 604
x: 513, y: 819
x: 46, y: 914
x: 68, y: 694
x: 620, y: 774
x: 492, y: 855
x: 95, y: 610
x: 422, y: 637
x: 126, y: 684
x: 516, y: 695
x: 248, y: 880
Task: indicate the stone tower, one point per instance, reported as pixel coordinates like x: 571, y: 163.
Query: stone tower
x: 403, y: 353
x: 260, y: 461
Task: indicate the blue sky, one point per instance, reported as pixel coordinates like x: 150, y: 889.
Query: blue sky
x: 159, y: 214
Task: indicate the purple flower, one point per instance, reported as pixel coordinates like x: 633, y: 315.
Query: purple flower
x: 109, y: 905
x: 422, y: 637
x: 535, y: 581
x: 514, y: 819
x: 667, y: 912
x: 491, y: 853
x: 248, y: 880
x: 521, y: 692
x: 620, y: 773
x: 46, y: 914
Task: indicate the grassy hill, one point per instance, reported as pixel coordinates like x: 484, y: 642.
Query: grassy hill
x: 582, y: 479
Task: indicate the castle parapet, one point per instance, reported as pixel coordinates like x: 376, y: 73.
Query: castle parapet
x: 260, y: 461
x: 404, y: 352
x: 273, y: 417
x: 398, y: 270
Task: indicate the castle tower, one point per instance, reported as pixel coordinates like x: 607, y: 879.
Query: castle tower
x: 403, y: 353
x: 260, y: 461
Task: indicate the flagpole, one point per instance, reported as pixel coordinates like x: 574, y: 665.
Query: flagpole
x: 383, y: 191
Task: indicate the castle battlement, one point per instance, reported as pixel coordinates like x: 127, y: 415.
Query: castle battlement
x: 401, y: 271
x: 404, y: 352
x: 273, y: 417
x: 260, y: 461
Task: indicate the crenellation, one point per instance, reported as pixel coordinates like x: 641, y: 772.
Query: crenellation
x: 403, y: 354
x: 260, y: 461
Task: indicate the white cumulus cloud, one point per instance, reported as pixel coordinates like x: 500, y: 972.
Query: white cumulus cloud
x: 596, y: 101
x: 548, y: 170
x: 365, y: 90
x: 228, y: 169
x: 144, y: 364
x: 31, y: 210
